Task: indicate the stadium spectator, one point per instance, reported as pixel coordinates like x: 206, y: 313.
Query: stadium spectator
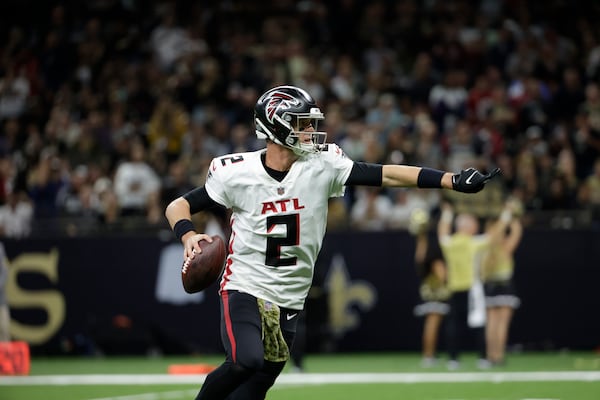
x: 136, y: 183
x: 353, y: 140
x: 385, y: 117
x: 79, y: 204
x: 427, y: 148
x: 168, y: 125
x: 372, y: 210
x: 460, y: 145
x: 345, y: 81
x: 404, y: 204
x: 170, y: 42
x: 108, y: 207
x: 68, y: 198
x: 448, y: 100
x: 14, y: 93
x: 421, y: 80
x: 44, y: 182
x: 16, y: 216
x: 175, y: 184
x: 11, y: 135
x: 568, y: 97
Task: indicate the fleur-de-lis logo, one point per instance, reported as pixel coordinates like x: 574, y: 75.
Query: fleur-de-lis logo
x: 344, y: 294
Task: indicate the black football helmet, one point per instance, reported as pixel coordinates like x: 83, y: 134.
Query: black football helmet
x: 283, y: 113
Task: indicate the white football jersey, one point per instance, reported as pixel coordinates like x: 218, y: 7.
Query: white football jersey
x: 277, y: 227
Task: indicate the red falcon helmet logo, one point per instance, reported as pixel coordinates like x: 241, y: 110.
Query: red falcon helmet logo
x: 279, y: 101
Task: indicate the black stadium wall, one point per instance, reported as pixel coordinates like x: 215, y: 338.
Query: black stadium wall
x: 123, y: 295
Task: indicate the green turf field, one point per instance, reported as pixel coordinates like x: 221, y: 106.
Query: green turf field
x: 530, y: 376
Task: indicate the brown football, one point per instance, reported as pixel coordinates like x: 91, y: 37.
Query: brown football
x: 205, y: 268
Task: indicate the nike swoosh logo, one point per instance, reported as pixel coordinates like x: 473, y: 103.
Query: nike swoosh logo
x: 290, y: 316
x: 468, y: 181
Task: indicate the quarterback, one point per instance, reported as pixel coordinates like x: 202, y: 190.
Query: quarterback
x: 278, y: 197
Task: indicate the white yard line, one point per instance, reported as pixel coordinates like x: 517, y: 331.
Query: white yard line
x: 308, y: 378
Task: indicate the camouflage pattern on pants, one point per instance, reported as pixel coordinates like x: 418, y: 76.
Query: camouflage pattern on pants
x: 275, y: 347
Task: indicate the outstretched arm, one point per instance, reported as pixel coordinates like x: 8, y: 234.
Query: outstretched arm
x: 468, y: 180
x: 408, y: 176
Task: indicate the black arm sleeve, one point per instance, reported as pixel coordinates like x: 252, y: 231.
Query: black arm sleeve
x: 366, y: 174
x: 200, y: 200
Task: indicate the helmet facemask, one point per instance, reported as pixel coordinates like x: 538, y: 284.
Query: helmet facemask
x: 304, y: 137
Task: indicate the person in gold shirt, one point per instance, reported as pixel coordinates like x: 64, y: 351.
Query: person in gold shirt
x: 462, y: 250
x: 500, y: 295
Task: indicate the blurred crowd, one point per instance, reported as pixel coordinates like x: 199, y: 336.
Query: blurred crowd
x: 109, y: 109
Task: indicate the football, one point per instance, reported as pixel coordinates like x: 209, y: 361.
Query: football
x: 205, y: 268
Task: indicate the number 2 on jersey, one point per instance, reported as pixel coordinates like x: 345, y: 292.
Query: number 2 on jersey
x: 273, y: 254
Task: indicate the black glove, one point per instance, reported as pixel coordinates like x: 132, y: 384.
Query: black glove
x: 471, y: 181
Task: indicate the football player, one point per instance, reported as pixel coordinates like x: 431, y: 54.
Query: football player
x: 278, y: 198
